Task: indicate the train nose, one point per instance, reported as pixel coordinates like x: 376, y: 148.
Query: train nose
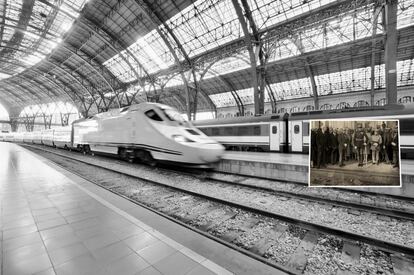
x: 211, y: 152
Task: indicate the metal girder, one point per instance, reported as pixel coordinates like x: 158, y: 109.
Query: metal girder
x: 73, y: 78
x: 99, y: 69
x: 157, y: 22
x: 57, y: 83
x: 20, y: 86
x: 105, y: 37
x: 390, y: 57
x: 79, y: 77
x: 71, y: 93
x: 13, y: 95
x: 258, y: 96
x: 376, y: 14
x: 298, y: 43
x: 27, y: 8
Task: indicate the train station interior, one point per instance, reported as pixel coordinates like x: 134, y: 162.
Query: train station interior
x: 192, y: 137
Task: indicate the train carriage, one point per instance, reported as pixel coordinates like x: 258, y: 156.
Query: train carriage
x: 47, y: 137
x: 262, y: 133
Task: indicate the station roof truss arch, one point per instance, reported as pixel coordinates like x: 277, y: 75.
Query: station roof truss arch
x: 106, y: 54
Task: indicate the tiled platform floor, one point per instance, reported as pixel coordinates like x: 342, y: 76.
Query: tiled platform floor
x: 53, y: 224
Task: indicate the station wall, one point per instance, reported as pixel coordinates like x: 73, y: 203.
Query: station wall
x: 405, y: 95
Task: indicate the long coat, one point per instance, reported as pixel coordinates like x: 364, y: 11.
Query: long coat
x: 342, y: 140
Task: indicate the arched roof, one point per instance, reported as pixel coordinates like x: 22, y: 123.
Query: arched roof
x: 108, y: 53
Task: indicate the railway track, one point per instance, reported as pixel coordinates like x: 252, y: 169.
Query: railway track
x: 291, y: 244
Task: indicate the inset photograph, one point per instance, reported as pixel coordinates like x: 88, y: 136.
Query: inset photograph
x: 354, y: 153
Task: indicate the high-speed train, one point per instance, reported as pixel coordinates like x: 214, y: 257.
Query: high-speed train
x: 149, y: 132
x: 290, y: 133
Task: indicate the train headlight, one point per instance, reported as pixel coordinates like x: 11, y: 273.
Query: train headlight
x: 181, y: 139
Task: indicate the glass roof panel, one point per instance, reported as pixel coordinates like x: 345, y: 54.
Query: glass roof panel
x: 290, y: 89
x: 349, y: 80
x: 405, y: 16
x: 405, y: 72
x: 29, y: 43
x: 228, y: 65
x: 223, y: 100
x: 267, y: 13
x: 205, y: 25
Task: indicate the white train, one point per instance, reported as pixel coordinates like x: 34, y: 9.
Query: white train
x: 149, y: 132
x: 290, y: 133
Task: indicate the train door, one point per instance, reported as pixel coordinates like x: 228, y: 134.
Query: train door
x: 274, y: 136
x: 297, y: 138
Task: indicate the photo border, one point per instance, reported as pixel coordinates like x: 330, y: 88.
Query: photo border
x: 355, y: 186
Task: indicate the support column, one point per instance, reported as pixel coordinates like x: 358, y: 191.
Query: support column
x: 391, y: 50
x: 14, y: 123
x: 258, y: 94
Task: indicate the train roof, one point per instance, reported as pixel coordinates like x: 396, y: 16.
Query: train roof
x: 369, y: 111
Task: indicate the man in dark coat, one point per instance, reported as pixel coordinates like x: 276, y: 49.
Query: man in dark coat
x: 386, y: 144
x: 321, y: 147
x: 333, y: 136
x: 395, y: 147
x: 360, y: 140
x: 314, y: 149
x: 343, y: 143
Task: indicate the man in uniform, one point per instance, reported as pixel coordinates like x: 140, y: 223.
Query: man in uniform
x: 359, y: 142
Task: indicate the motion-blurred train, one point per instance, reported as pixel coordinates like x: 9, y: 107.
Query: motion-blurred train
x: 149, y: 132
x: 290, y: 133
x: 276, y: 132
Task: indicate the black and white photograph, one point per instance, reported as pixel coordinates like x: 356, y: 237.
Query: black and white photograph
x: 354, y: 153
x: 207, y: 137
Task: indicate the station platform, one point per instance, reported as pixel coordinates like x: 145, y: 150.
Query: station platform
x: 277, y: 166
x: 54, y: 222
x: 294, y: 168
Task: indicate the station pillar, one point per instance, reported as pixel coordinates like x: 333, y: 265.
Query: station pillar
x: 390, y: 24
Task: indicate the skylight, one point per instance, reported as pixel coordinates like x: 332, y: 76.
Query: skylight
x: 28, y: 44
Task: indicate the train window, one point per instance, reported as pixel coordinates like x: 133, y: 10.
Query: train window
x: 243, y: 131
x: 153, y: 115
x: 191, y: 131
x: 407, y: 126
x: 296, y: 129
x: 256, y: 131
x: 274, y: 130
x: 215, y: 131
x: 228, y: 131
x: 305, y: 132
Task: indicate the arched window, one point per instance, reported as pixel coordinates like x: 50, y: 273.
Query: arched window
x: 281, y: 111
x: 309, y: 108
x: 343, y: 105
x: 220, y: 115
x: 405, y: 99
x: 361, y: 103
x: 381, y: 102
x: 294, y: 109
x: 326, y: 106
x: 248, y: 113
x: 228, y: 115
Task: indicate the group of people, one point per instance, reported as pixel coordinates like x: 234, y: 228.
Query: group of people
x: 366, y: 145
